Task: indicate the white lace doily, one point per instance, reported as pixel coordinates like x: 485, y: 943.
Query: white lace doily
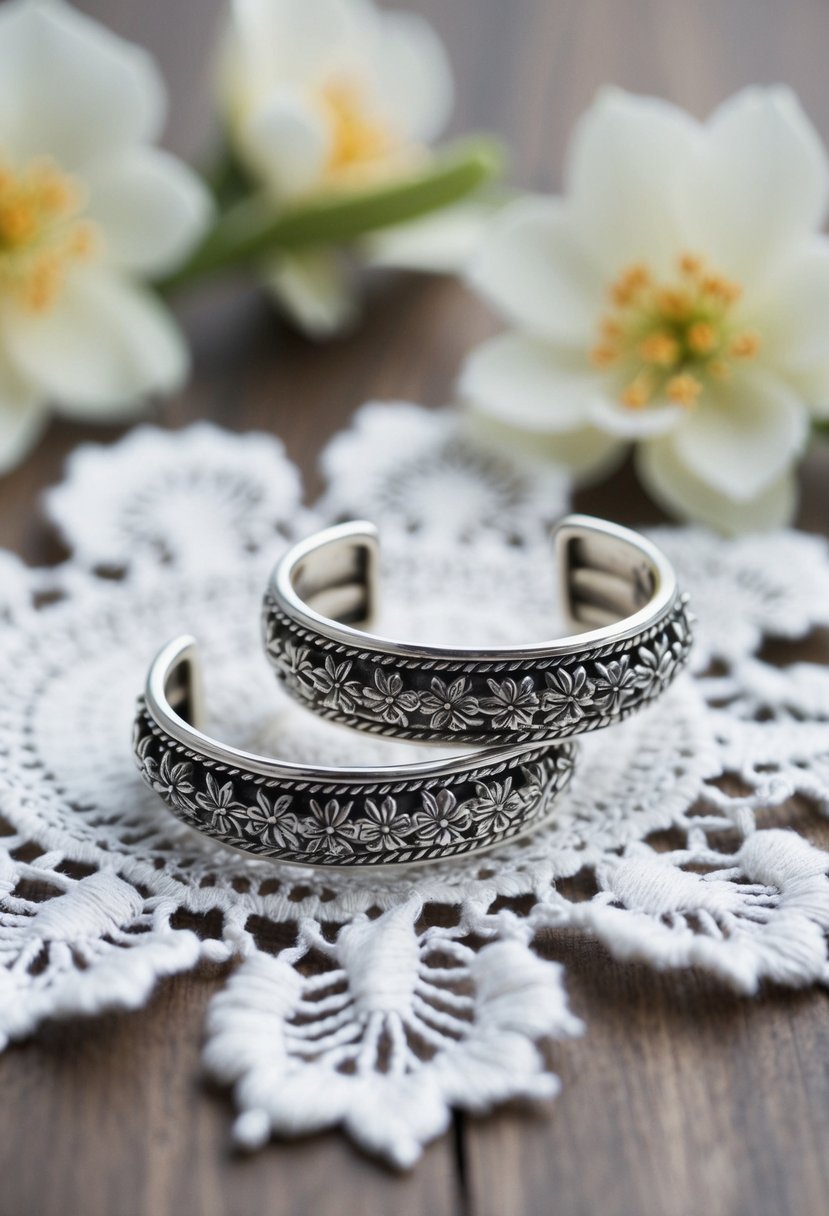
x: 398, y: 998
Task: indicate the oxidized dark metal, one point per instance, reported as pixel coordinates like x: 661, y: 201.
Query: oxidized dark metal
x: 329, y: 816
x: 616, y: 586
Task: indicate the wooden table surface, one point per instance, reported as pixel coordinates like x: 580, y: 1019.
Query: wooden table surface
x: 682, y: 1098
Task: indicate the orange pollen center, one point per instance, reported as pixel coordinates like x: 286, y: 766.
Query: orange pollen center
x: 668, y: 340
x: 42, y: 232
x: 358, y: 138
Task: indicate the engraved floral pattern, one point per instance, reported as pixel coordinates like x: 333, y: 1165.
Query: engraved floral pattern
x: 497, y: 805
x: 656, y: 666
x: 615, y: 684
x: 512, y: 703
x: 384, y: 826
x: 441, y: 820
x: 327, y: 827
x: 388, y: 700
x: 568, y: 696
x: 450, y: 705
x: 338, y: 691
x: 221, y: 804
x: 542, y: 700
x: 271, y: 821
x: 467, y: 809
x: 292, y: 661
x: 171, y: 779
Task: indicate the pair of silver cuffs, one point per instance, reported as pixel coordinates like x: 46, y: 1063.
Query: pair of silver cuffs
x: 520, y: 705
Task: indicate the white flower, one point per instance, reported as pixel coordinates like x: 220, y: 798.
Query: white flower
x: 321, y: 94
x: 325, y: 96
x: 676, y: 297
x: 87, y: 208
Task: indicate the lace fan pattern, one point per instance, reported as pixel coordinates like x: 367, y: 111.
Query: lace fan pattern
x: 381, y: 1015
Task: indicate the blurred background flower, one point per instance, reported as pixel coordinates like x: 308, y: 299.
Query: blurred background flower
x: 339, y: 100
x: 88, y: 210
x: 675, y: 298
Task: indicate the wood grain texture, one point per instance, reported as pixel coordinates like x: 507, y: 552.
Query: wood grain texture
x: 682, y: 1099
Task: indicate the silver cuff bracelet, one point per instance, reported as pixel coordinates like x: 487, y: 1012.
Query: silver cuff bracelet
x: 333, y: 816
x: 631, y: 637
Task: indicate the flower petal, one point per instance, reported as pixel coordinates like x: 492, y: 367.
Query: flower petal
x: 22, y: 415
x: 534, y: 271
x: 609, y: 414
x: 102, y: 348
x: 440, y: 243
x: 792, y: 317
x: 529, y: 383
x: 286, y: 141
x: 622, y: 176
x: 414, y: 77
x: 740, y: 440
x: 758, y: 182
x: 151, y: 208
x: 291, y: 40
x: 675, y: 487
x: 314, y: 289
x: 72, y: 89
x: 587, y: 453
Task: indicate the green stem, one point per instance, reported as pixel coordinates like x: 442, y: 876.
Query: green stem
x: 249, y: 231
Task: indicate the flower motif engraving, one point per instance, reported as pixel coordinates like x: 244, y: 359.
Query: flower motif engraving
x: 338, y: 692
x: 496, y: 806
x: 220, y: 803
x: 656, y: 666
x: 681, y: 629
x: 327, y: 827
x: 616, y: 683
x: 568, y: 695
x: 172, y: 781
x: 512, y: 704
x: 388, y: 700
x: 271, y: 821
x: 450, y: 705
x: 384, y: 826
x: 441, y: 821
x: 291, y: 660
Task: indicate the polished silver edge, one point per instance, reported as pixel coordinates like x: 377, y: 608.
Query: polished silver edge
x: 185, y: 649
x: 571, y: 527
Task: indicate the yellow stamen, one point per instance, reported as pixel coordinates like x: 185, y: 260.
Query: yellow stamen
x: 702, y: 338
x: 357, y: 138
x: 17, y: 223
x: 683, y: 389
x: 604, y: 354
x: 691, y: 264
x: 745, y: 345
x: 673, y: 303
x: 721, y: 288
x: 659, y: 348
x: 630, y: 284
x: 41, y: 232
x: 669, y: 340
x: 638, y: 393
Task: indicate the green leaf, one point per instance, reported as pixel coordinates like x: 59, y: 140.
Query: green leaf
x: 250, y: 230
